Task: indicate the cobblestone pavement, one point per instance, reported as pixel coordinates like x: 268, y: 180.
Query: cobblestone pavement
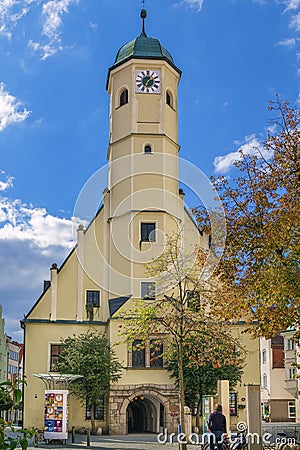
x: 129, y: 442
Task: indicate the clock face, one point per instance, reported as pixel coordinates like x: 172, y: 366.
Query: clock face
x: 147, y: 81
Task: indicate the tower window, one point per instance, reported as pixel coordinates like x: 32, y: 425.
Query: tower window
x: 93, y: 298
x: 148, y: 290
x: 169, y: 99
x: 124, y: 97
x: 147, y: 149
x: 148, y: 232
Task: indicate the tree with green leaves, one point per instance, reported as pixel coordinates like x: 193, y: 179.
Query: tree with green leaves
x: 10, y: 438
x: 200, y: 373
x: 91, y: 356
x: 262, y: 206
x: 180, y: 310
x: 6, y: 401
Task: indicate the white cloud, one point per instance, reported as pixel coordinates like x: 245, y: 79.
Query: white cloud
x: 289, y: 43
x: 8, y: 183
x: 21, y: 222
x: 11, y: 12
x: 31, y: 239
x: 52, y: 12
x: 196, y: 4
x: 295, y: 22
x: 11, y: 109
x: 251, y: 146
x: 291, y: 4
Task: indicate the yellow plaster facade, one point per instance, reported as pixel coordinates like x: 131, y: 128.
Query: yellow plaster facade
x: 110, y: 255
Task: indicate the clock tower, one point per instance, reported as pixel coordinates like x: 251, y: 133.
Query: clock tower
x: 143, y: 159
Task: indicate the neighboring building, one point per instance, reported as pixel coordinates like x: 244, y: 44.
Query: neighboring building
x: 3, y: 349
x: 14, y: 364
x: 278, y: 405
x: 106, y: 270
x: 291, y: 367
x: 13, y: 356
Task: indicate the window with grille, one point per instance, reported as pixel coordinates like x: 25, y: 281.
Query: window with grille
x: 148, y: 232
x: 93, y: 298
x: 55, y: 351
x: 138, y: 354
x: 98, y: 410
x: 156, y: 351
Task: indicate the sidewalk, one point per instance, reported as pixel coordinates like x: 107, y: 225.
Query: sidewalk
x: 129, y: 442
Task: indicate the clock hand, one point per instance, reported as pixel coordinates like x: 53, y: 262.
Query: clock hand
x: 148, y: 81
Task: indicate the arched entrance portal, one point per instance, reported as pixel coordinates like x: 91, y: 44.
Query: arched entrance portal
x: 145, y: 414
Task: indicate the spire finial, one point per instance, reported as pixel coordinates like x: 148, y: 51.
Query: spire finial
x: 143, y: 17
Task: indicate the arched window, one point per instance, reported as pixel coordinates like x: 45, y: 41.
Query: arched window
x: 124, y: 97
x: 169, y: 99
x: 147, y: 149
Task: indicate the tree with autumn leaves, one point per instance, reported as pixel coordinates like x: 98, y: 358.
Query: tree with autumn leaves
x: 180, y: 314
x: 202, y: 374
x: 262, y: 207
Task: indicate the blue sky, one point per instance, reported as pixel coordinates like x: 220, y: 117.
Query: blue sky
x: 235, y: 56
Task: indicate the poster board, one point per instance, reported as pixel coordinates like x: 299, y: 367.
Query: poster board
x: 56, y: 414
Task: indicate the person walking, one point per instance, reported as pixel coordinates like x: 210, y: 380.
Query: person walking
x: 217, y: 426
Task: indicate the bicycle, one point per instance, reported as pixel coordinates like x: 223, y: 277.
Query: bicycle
x: 225, y: 444
x: 38, y: 436
x: 281, y: 443
x: 239, y: 441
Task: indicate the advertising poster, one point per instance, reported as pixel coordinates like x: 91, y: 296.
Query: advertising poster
x: 56, y: 414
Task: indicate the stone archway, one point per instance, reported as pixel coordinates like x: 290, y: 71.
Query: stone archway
x: 143, y: 408
x: 145, y: 414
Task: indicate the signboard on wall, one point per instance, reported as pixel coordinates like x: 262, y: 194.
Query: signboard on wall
x: 56, y: 414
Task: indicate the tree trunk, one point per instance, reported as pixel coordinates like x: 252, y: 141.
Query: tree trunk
x: 198, y: 412
x: 181, y: 392
x: 93, y: 418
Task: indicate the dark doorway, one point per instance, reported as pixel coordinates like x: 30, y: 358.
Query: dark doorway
x: 143, y: 416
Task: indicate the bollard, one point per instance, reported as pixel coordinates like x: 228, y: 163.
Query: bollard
x: 88, y: 437
x: 73, y: 435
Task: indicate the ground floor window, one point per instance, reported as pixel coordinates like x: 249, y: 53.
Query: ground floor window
x: 98, y: 410
x: 55, y: 351
x: 233, y: 403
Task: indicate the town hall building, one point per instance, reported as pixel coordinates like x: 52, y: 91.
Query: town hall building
x: 105, y: 271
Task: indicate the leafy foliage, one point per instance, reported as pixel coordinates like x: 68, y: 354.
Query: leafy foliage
x: 6, y: 401
x: 201, y: 373
x: 180, y: 312
x: 91, y: 356
x: 262, y: 255
x: 9, y: 437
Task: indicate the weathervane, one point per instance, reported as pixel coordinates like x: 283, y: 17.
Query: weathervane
x: 143, y: 17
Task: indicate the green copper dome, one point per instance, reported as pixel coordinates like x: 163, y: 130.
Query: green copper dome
x: 143, y: 47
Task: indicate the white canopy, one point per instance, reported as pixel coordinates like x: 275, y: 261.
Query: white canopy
x: 50, y: 379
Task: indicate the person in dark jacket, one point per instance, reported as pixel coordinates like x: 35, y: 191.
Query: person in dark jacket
x: 217, y: 426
